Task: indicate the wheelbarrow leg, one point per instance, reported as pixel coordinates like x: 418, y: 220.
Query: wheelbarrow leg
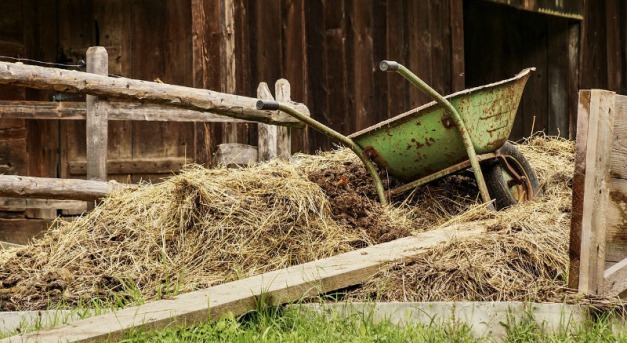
x: 372, y: 170
x: 455, y: 116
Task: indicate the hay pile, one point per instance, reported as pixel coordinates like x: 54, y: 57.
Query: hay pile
x: 194, y: 230
x: 205, y: 227
x: 523, y: 257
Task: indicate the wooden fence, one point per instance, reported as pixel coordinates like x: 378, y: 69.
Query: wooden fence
x: 598, y: 242
x: 186, y: 105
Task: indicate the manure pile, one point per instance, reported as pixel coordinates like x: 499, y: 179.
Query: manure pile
x: 204, y: 227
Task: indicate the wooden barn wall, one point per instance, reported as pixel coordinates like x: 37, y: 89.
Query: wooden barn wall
x: 513, y: 39
x: 330, y: 50
x: 327, y: 49
x: 604, y: 46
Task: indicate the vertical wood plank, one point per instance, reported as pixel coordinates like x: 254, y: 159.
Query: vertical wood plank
x: 160, y: 31
x: 419, y: 36
x: 316, y: 52
x: 97, y: 121
x: 267, y: 134
x: 592, y: 163
x: 397, y: 45
x: 114, y: 24
x: 558, y: 62
x: 233, y: 133
x: 457, y: 45
x: 573, y: 77
x: 205, y: 71
x: 295, y: 62
x: 614, y: 62
x: 361, y: 82
x: 336, y: 112
x: 282, y: 91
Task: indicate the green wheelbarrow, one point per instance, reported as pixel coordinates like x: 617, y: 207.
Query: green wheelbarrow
x: 465, y: 129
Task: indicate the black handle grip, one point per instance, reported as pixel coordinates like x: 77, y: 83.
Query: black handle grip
x: 388, y: 65
x: 267, y: 105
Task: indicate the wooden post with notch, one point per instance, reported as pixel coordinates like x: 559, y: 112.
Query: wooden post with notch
x: 97, y: 121
x: 284, y: 136
x: 267, y: 134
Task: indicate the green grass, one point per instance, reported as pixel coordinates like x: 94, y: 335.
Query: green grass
x: 296, y: 324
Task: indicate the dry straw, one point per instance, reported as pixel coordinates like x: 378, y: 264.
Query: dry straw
x: 523, y: 256
x: 204, y: 227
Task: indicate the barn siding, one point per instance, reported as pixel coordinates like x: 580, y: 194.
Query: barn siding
x: 329, y: 50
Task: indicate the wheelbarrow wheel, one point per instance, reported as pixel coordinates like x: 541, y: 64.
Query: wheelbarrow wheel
x: 510, y: 179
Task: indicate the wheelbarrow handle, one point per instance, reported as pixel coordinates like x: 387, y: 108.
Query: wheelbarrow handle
x: 388, y: 65
x: 268, y: 105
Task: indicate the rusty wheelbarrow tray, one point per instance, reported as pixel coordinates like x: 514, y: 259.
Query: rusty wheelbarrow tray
x: 465, y: 129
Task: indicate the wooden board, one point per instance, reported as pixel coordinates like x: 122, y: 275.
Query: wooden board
x: 599, y: 221
x: 238, y: 297
x: 21, y: 231
x: 163, y: 165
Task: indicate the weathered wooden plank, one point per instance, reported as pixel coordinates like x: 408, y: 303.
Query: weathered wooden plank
x: 117, y: 110
x: 278, y: 287
x: 419, y: 51
x: 184, y: 97
x: 362, y: 68
x: 612, y: 43
x: 397, y: 99
x: 616, y: 279
x: 573, y: 77
x: 21, y: 231
x: 282, y: 91
x: 233, y: 133
x: 267, y: 134
x: 50, y: 188
x: 457, y: 45
x: 204, y: 71
x: 558, y: 118
x: 97, y: 122
x: 619, y: 148
x: 296, y: 61
x: 161, y: 165
x: 11, y: 204
x: 596, y: 162
x: 616, y: 230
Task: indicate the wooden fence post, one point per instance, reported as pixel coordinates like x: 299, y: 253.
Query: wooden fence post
x: 284, y: 135
x: 591, y: 190
x: 267, y: 141
x: 97, y: 121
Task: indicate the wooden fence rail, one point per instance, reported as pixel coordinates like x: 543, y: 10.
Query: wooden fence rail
x: 145, y: 101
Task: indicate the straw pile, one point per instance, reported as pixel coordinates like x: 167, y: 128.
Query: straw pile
x: 523, y: 257
x: 204, y: 227
x: 194, y: 230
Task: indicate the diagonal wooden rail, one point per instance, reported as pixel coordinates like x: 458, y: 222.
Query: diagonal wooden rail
x: 238, y: 297
x: 203, y: 100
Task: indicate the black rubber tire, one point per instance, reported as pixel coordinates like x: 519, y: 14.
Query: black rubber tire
x: 497, y: 186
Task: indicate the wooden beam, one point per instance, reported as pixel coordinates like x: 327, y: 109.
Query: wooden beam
x: 14, y: 204
x: 238, y: 297
x: 615, y: 279
x: 591, y: 189
x: 50, y: 188
x: 150, y: 92
x: 134, y: 166
x: 117, y: 110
